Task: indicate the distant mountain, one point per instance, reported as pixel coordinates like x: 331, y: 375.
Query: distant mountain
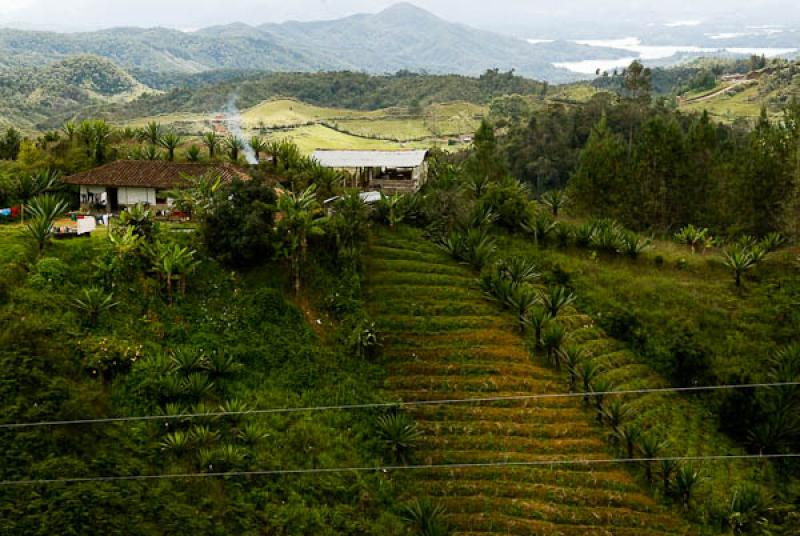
x: 402, y: 37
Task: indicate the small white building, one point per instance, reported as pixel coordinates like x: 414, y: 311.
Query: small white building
x: 128, y: 182
x: 385, y: 171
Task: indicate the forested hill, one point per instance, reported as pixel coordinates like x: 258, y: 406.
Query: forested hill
x: 336, y: 89
x: 401, y: 37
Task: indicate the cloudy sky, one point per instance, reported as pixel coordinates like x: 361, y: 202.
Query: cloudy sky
x: 189, y: 14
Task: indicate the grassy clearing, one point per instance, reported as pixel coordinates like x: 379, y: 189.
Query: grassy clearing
x: 441, y: 341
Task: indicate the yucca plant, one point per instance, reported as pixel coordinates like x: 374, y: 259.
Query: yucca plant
x: 212, y: 142
x: 44, y: 209
x: 629, y: 437
x: 203, y: 436
x: 572, y: 357
x: 518, y: 270
x: 426, y: 518
x: 607, y: 236
x: 538, y: 319
x: 479, y: 248
x: 633, y: 245
x: 229, y: 457
x: 668, y: 468
x: 563, y: 233
x: 220, y: 365
x: 772, y: 242
x: 748, y: 509
x: 686, y: 480
x: 258, y: 145
x: 234, y: 145
x: 189, y: 360
x: 587, y: 373
x: 738, y: 260
x: 691, y: 236
x: 193, y: 153
x: 555, y: 298
x: 93, y: 302
x: 650, y: 446
x: 497, y: 288
x: 600, y: 387
x: 197, y: 385
x: 476, y: 185
x: 553, y: 341
x: 400, y: 434
x: 177, y: 443
x: 523, y: 298
x: 540, y: 226
x: 555, y: 199
x: 170, y: 141
x: 614, y: 413
x: 237, y: 411
x: 583, y: 234
x: 253, y: 433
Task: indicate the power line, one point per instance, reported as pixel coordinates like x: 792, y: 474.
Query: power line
x: 379, y: 405
x: 388, y: 468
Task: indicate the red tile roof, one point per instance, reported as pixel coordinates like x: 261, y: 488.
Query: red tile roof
x: 151, y: 174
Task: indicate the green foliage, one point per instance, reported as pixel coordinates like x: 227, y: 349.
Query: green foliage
x: 44, y: 210
x: 400, y: 435
x: 140, y: 220
x: 94, y: 302
x: 426, y: 518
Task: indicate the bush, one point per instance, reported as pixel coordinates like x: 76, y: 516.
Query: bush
x: 49, y: 273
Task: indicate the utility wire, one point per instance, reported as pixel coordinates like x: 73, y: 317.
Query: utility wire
x: 451, y: 466
x: 379, y: 405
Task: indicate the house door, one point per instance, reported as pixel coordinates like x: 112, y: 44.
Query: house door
x: 113, y: 199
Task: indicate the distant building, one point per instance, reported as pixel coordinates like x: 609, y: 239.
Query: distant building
x: 386, y: 171
x: 128, y: 182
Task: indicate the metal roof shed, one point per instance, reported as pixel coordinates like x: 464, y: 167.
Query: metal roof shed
x: 385, y: 171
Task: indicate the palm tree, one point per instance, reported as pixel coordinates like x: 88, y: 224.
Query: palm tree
x: 555, y: 199
x: 519, y: 270
x: 400, y: 435
x: 193, y: 153
x: 556, y: 298
x: 668, y: 467
x: 85, y: 134
x: 235, y: 145
x: 299, y: 217
x: 93, y: 303
x: 739, y: 260
x: 629, y: 435
x: 540, y: 227
x: 170, y: 141
x: 600, y: 387
x: 174, y: 264
x: 44, y: 209
x: 258, y: 145
x: 212, y: 142
x: 614, y: 413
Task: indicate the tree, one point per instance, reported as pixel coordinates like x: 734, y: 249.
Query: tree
x: 235, y: 145
x: 101, y: 133
x: 173, y: 263
x: 258, y: 145
x: 350, y: 224
x: 553, y: 342
x: 10, y: 144
x: 390, y: 209
x: 170, y: 141
x: 70, y: 130
x: 299, y: 217
x: 686, y: 479
x: 523, y: 298
x: 212, y: 142
x: 637, y: 81
x: 556, y: 298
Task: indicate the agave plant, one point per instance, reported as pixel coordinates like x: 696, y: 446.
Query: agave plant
x: 93, y: 302
x: 540, y: 227
x: 628, y: 436
x: 221, y: 365
x: 203, y: 436
x: 538, y: 318
x: 498, y: 288
x: 772, y: 242
x: 399, y: 434
x: 587, y: 373
x: 197, y: 385
x: 426, y: 518
x: 189, y: 360
x: 614, y: 413
x: 748, y: 509
x: 212, y: 142
x: 600, y: 387
x: 235, y: 145
x: 170, y: 141
x: 193, y: 153
x: 237, y: 411
x: 650, y: 447
x: 556, y: 298
x: 607, y: 236
x: 478, y: 248
x: 563, y: 233
x: 583, y: 234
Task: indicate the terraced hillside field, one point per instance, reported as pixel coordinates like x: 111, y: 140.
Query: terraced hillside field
x: 443, y: 340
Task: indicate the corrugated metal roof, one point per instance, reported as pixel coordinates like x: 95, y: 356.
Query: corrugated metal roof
x: 359, y: 159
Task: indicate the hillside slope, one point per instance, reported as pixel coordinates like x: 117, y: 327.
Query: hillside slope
x: 444, y: 341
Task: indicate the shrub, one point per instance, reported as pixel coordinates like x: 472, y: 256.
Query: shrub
x: 49, y: 273
x: 426, y: 518
x: 632, y: 245
x: 400, y: 435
